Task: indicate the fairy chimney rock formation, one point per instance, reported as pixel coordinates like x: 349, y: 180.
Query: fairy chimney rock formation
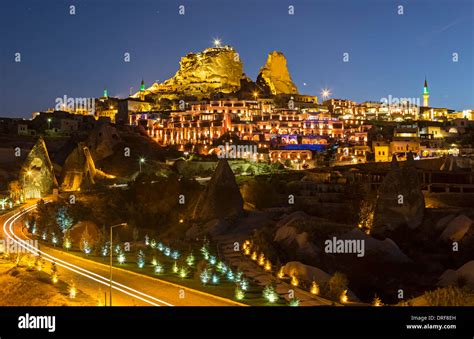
x: 37, y: 177
x: 275, y: 76
x: 222, y: 197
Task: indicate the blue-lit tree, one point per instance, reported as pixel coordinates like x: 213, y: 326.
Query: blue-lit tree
x: 205, y: 276
x: 141, y: 259
x: 63, y: 219
x: 105, y: 248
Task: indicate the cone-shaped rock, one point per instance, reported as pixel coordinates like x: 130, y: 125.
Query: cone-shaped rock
x: 275, y: 77
x: 222, y: 197
x: 79, y: 170
x: 37, y: 174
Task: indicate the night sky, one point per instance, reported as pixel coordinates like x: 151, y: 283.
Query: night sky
x: 390, y: 54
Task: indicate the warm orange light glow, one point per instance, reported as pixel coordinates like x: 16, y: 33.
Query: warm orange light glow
x: 254, y: 256
x: 281, y: 274
x: 344, y: 299
x: 72, y: 291
x: 268, y: 265
x: 377, y: 302
x: 261, y: 259
x: 294, y: 281
x: 314, y: 288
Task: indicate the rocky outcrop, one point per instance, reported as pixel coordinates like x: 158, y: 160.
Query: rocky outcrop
x: 221, y: 198
x: 308, y: 274
x: 79, y: 170
x: 275, y: 76
x: 457, y: 228
x: 400, y: 200
x: 213, y: 228
x: 452, y: 277
x: 444, y: 221
x: 37, y: 177
x: 213, y: 70
x: 289, y: 237
x: 382, y: 250
x: 305, y: 273
x: 218, y: 71
x: 101, y: 141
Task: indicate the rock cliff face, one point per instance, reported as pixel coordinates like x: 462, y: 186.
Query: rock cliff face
x: 213, y: 70
x: 400, y: 200
x: 101, y: 141
x: 79, y: 170
x: 37, y: 177
x: 221, y: 198
x: 274, y: 75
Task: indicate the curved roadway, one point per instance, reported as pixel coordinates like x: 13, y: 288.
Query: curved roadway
x: 92, y: 278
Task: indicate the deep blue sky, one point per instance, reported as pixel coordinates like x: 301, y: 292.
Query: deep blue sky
x: 390, y: 54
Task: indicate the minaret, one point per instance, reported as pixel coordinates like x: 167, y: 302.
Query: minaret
x: 142, y: 90
x: 426, y: 94
x: 106, y: 93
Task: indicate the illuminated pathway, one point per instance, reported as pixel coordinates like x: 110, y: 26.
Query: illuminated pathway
x: 129, y: 288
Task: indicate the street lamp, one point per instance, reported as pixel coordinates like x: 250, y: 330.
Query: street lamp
x: 111, y: 251
x: 140, y: 162
x: 325, y: 93
x: 49, y: 123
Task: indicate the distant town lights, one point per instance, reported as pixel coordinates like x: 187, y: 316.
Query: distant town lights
x: 217, y: 42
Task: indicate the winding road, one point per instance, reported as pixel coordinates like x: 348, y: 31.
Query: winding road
x: 92, y: 278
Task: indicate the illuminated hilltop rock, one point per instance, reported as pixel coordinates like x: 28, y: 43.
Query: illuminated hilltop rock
x: 274, y: 75
x: 37, y: 174
x: 220, y: 70
x: 213, y: 70
x: 79, y: 170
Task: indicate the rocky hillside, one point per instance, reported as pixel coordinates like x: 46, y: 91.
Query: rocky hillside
x: 220, y: 70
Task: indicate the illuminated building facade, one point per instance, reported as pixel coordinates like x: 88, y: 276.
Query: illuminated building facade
x: 249, y: 120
